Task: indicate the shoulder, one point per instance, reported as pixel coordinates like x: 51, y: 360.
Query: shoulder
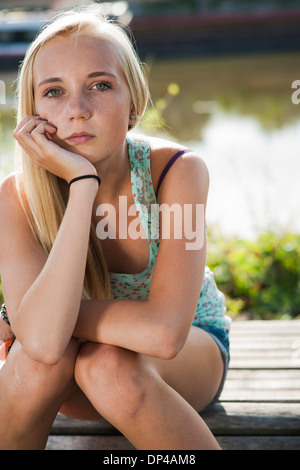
x: 13, y: 222
x: 189, y: 167
x: 8, y: 197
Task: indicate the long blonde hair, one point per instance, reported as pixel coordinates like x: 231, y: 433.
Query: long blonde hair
x: 43, y: 195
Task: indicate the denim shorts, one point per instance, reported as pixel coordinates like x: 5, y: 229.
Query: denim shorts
x: 222, y: 339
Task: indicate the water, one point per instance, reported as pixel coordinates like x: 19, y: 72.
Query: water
x: 238, y: 114
x: 254, y: 176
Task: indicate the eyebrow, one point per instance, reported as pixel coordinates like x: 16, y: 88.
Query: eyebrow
x: 90, y: 75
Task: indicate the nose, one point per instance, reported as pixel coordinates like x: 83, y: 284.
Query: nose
x: 78, y: 107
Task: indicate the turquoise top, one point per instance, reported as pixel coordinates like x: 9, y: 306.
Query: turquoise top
x: 211, y: 305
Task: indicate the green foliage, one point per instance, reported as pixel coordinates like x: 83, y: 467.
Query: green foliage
x: 261, y: 277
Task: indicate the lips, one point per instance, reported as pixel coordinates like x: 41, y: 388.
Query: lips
x: 79, y: 138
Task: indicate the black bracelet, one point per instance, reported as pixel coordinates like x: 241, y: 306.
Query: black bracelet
x: 84, y: 177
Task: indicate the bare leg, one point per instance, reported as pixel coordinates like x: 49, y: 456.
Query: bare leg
x: 31, y: 395
x: 133, y: 392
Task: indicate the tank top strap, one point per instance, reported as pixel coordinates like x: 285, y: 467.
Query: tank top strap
x: 169, y: 165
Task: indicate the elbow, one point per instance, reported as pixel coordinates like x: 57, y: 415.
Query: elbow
x: 43, y: 357
x: 42, y: 353
x: 46, y: 359
x: 170, y: 344
x: 39, y: 344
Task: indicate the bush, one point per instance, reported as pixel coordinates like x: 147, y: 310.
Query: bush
x: 262, y: 277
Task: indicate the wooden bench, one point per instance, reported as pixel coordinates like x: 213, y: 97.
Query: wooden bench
x: 259, y: 408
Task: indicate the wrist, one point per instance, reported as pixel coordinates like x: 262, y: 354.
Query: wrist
x: 84, y: 188
x: 83, y: 177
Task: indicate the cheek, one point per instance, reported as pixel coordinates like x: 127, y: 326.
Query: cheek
x: 44, y: 112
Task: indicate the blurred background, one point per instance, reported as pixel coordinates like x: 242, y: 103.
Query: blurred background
x: 221, y: 75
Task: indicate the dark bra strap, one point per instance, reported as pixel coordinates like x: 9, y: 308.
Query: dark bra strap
x: 168, y: 166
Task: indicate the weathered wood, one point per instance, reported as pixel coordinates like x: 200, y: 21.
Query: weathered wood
x: 262, y: 385
x: 259, y: 443
x: 222, y: 418
x: 88, y: 443
x: 269, y: 326
x: 263, y: 362
x: 68, y: 426
x: 120, y: 443
x: 253, y: 419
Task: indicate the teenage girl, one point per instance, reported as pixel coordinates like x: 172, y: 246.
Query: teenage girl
x: 127, y: 328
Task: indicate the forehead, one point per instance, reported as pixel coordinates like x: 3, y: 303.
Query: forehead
x: 75, y: 55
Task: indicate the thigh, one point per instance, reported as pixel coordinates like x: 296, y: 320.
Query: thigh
x: 196, y: 372
x: 31, y: 394
x: 55, y: 383
x: 78, y: 406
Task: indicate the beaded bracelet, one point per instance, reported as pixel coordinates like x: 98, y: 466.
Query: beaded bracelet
x: 3, y: 314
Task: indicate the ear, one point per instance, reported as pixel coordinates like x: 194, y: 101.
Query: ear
x: 131, y: 118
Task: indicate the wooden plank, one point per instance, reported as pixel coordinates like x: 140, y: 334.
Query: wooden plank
x: 259, y: 443
x: 266, y: 325
x: 265, y: 344
x: 69, y: 426
x: 257, y: 419
x: 88, y: 443
x: 262, y: 385
x: 288, y: 375
x: 262, y: 363
x: 222, y: 418
x: 120, y: 443
x: 242, y: 395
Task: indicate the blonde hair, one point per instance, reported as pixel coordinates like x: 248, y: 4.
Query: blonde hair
x: 43, y: 195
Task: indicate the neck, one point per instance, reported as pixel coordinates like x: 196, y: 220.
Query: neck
x: 114, y: 172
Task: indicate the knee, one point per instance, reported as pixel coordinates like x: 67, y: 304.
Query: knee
x: 114, y: 377
x: 26, y: 376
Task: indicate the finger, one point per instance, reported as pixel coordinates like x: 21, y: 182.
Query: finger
x: 21, y: 124
x: 33, y: 135
x: 41, y: 130
x: 28, y: 131
x: 26, y: 125
x: 44, y: 147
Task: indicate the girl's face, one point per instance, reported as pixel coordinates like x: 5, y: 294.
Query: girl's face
x: 80, y: 88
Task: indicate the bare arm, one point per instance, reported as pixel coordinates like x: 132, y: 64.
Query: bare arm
x: 42, y: 293
x: 52, y: 303
x: 158, y: 326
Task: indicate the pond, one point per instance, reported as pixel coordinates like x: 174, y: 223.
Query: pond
x: 237, y: 112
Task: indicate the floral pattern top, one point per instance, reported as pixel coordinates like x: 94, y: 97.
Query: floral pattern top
x: 211, y: 305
